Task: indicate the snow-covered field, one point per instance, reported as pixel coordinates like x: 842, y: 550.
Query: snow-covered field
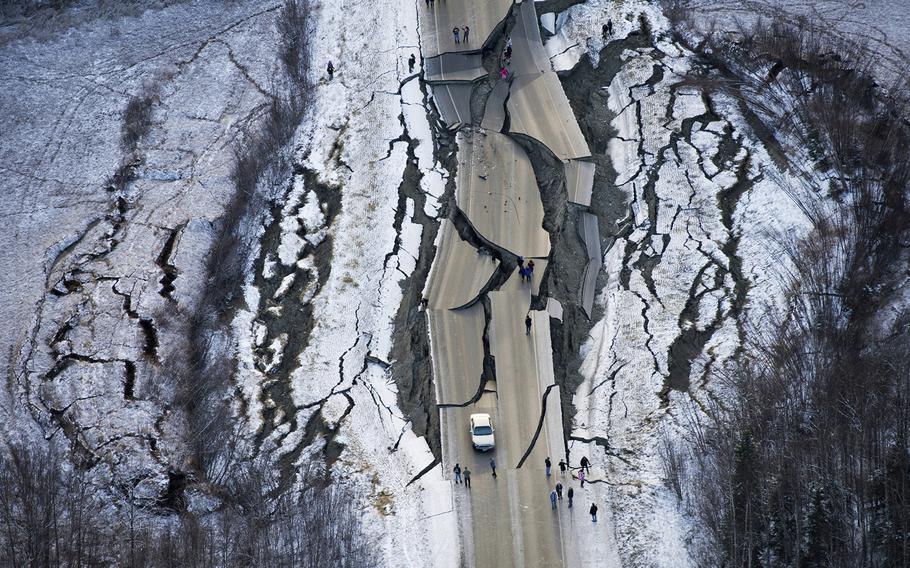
x: 356, y: 145
x: 84, y: 283
x: 697, y: 263
x: 88, y: 309
x: 882, y: 25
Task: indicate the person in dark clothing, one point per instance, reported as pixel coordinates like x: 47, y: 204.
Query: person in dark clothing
x: 562, y: 467
x: 455, y: 32
x: 530, y: 269
x: 457, y: 471
x: 411, y: 61
x: 464, y: 35
x: 528, y: 332
x: 559, y: 490
x: 570, y: 494
x: 467, y: 478
x: 610, y: 27
x: 493, y: 466
x: 593, y: 511
x: 330, y: 69
x: 548, y: 464
x: 603, y: 32
x: 585, y: 464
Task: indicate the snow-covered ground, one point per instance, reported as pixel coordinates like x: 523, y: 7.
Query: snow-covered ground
x: 89, y: 316
x: 84, y: 289
x: 356, y: 146
x: 882, y: 25
x: 579, y: 31
x: 698, y: 263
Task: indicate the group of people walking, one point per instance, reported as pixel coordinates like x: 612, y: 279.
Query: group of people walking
x: 526, y: 273
x: 556, y: 492
x: 463, y: 475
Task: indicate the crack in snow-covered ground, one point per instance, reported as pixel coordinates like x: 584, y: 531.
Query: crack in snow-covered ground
x: 366, y: 125
x: 99, y: 274
x: 698, y: 262
x: 102, y: 242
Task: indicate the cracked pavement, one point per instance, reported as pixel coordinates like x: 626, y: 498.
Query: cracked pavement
x: 483, y: 361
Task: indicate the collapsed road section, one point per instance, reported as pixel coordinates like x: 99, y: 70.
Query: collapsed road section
x: 490, y: 343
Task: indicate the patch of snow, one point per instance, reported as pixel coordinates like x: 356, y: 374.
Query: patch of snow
x: 579, y: 30
x: 548, y: 22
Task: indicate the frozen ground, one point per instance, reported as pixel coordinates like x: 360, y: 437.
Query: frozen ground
x: 348, y: 234
x: 695, y: 262
x: 88, y: 266
x: 96, y: 277
x: 881, y: 24
x: 578, y: 31
x: 94, y: 273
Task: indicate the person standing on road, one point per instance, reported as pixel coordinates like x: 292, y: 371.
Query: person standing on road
x: 581, y: 477
x: 559, y: 490
x: 457, y: 471
x: 585, y: 464
x: 548, y: 463
x: 493, y: 466
x: 467, y: 477
x: 530, y: 270
x: 570, y: 494
x: 464, y: 36
x: 593, y: 511
x: 562, y: 467
x: 455, y: 32
x: 330, y: 69
x: 411, y: 61
x: 553, y: 499
x: 503, y: 73
x: 528, y: 332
